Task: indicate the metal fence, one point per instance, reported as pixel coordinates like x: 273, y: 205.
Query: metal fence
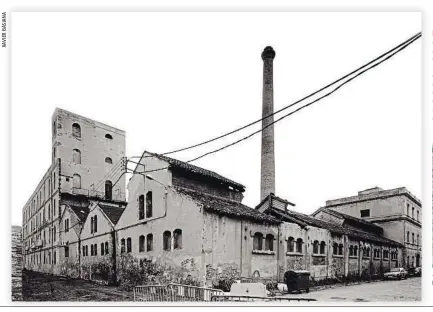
x: 174, y: 292
x: 229, y: 298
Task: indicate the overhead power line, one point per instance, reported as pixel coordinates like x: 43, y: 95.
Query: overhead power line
x: 384, y: 57
x: 408, y: 41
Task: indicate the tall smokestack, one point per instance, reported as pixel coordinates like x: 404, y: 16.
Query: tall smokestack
x: 268, y: 158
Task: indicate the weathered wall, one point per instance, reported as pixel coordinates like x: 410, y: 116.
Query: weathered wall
x: 94, y: 148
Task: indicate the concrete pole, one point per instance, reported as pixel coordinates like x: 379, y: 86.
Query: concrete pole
x: 267, y: 184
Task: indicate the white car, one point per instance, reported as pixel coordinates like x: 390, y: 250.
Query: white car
x: 397, y: 273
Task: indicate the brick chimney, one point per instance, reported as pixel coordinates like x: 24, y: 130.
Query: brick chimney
x: 267, y: 185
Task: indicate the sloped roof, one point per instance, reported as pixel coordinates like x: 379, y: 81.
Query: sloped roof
x: 226, y: 207
x: 80, y: 210
x: 349, y: 217
x: 177, y: 164
x: 334, y: 228
x: 113, y: 213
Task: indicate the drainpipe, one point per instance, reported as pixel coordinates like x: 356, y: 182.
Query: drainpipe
x: 242, y: 238
x: 278, y: 255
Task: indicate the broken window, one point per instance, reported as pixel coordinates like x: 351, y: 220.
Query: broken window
x: 166, y: 240
x: 269, y: 242
x: 141, y: 207
x: 335, y: 249
x: 299, y: 243
x: 365, y: 213
x: 76, y: 130
x: 149, y: 242
x: 108, y: 190
x: 177, y: 239
x: 291, y: 244
x: 149, y: 204
x: 258, y: 241
x: 128, y: 244
x: 316, y: 247
x: 141, y: 243
x: 322, y: 247
x: 122, y: 246
x: 76, y: 156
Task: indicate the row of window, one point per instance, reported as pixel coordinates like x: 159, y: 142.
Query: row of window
x: 39, y: 199
x: 413, y: 238
x: 76, y: 184
x: 94, y: 250
x: 46, y: 259
x: 169, y: 242
x: 42, y: 217
x: 76, y: 131
x: 76, y: 157
x: 413, y: 212
x: 258, y: 242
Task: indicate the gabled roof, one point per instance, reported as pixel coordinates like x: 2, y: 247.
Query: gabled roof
x: 227, y: 207
x: 113, y: 213
x: 334, y: 228
x: 80, y: 210
x: 349, y: 218
x: 177, y: 164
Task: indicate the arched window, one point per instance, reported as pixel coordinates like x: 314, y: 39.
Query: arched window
x: 407, y: 236
x: 149, y: 204
x: 122, y: 246
x: 76, y: 181
x: 102, y: 249
x: 108, y: 160
x: 54, y: 128
x: 413, y: 213
x: 108, y: 190
x: 355, y: 251
x: 128, y: 244
x: 335, y: 249
x: 408, y: 210
x: 258, y: 241
x: 141, y: 207
x: 91, y: 225
x: 141, y: 243
x: 91, y: 250
x: 108, y: 136
x: 350, y: 251
x: 417, y: 215
x: 368, y: 252
x: 95, y: 224
x: 76, y: 156
x: 316, y: 247
x: 299, y: 243
x: 76, y: 130
x: 177, y: 239
x: 106, y: 248
x: 269, y: 242
x: 149, y: 242
x: 166, y: 241
x: 322, y: 247
x: 413, y: 238
x: 291, y: 244
x: 417, y: 239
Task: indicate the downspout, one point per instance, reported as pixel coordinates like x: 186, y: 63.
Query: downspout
x: 241, y: 237
x: 278, y: 255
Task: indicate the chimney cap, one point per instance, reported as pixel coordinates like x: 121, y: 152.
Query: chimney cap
x: 268, y: 53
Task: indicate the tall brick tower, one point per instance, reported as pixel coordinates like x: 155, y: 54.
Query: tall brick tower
x: 267, y: 184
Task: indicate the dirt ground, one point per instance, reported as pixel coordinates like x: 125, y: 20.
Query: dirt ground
x: 44, y: 287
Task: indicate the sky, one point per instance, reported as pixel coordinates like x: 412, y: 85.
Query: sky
x: 174, y: 79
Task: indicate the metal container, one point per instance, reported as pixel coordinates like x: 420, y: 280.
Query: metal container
x: 297, y: 280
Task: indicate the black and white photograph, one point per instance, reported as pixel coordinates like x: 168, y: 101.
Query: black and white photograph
x: 216, y: 157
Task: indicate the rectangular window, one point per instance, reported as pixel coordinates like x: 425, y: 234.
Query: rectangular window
x: 67, y: 252
x: 365, y: 213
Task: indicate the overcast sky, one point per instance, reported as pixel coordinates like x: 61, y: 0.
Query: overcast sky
x: 174, y: 79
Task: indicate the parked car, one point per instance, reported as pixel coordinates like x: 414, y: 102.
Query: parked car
x: 397, y: 273
x: 410, y: 271
x: 417, y: 271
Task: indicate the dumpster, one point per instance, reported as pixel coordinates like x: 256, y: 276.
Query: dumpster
x: 297, y: 280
